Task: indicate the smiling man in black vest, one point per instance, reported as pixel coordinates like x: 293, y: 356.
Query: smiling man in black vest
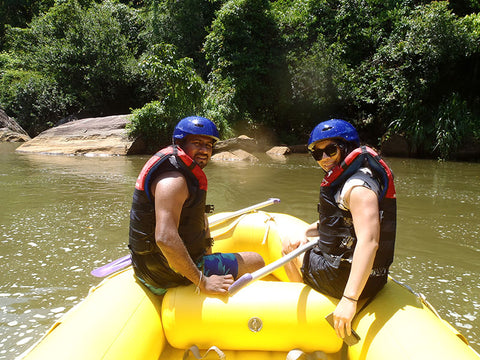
x: 169, y: 237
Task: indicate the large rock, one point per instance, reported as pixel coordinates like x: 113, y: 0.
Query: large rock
x: 279, y: 150
x: 7, y: 135
x: 10, y: 131
x: 242, y: 142
x: 235, y: 155
x: 92, y: 136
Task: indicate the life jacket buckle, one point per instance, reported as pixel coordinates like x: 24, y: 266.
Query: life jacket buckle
x: 347, y: 242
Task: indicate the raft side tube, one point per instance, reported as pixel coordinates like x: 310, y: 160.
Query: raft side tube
x: 117, y: 320
x: 398, y: 324
x: 266, y: 315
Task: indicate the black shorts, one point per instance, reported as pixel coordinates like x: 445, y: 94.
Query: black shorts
x: 323, y: 275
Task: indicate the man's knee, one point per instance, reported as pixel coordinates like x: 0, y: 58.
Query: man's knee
x: 248, y: 262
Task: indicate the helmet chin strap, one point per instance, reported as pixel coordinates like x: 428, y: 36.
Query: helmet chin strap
x: 179, y: 142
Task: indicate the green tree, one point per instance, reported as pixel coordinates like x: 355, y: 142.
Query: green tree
x: 410, y: 66
x: 19, y: 13
x: 179, y: 91
x: 184, y: 24
x: 37, y: 101
x: 87, y: 53
x: 411, y: 80
x: 244, y: 52
x: 323, y: 40
x: 171, y: 78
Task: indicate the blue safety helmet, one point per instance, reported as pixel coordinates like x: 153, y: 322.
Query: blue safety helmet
x: 195, y: 125
x: 333, y: 128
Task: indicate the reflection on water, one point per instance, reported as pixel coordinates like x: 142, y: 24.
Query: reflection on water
x: 60, y: 217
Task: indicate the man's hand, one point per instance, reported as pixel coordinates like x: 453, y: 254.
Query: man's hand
x: 216, y: 284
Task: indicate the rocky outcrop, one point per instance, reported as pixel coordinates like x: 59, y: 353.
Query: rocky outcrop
x: 234, y: 155
x: 7, y: 135
x: 241, y: 147
x: 10, y: 131
x: 236, y: 149
x: 91, y: 136
x: 108, y: 136
x: 242, y: 142
x: 279, y: 150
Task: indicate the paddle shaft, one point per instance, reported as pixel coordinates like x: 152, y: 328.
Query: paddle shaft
x: 126, y: 260
x: 247, y: 278
x: 244, y: 211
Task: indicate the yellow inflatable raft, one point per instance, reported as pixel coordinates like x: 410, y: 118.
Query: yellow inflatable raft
x: 268, y: 319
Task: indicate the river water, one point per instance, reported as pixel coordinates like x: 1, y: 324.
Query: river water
x: 61, y: 216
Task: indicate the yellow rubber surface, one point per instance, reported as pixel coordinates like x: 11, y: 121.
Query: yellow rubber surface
x: 121, y: 320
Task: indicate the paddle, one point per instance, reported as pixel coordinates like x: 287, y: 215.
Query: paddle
x: 247, y: 278
x: 124, y: 261
x: 112, y: 267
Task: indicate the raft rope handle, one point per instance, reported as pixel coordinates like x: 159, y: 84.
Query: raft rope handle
x: 269, y: 219
x: 234, y: 223
x: 297, y: 354
x: 196, y: 352
x: 420, y: 296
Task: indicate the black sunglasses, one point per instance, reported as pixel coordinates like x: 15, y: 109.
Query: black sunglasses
x: 330, y: 150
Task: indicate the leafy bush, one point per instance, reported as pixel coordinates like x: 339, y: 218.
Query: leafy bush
x: 172, y: 80
x: 408, y: 82
x: 219, y: 105
x: 153, y: 124
x: 452, y: 123
x: 84, y: 51
x: 178, y: 88
x: 37, y: 102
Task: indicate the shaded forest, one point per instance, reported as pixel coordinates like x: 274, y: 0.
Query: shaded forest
x: 390, y: 67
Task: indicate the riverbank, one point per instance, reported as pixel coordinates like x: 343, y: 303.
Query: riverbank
x: 104, y: 136
x: 107, y: 136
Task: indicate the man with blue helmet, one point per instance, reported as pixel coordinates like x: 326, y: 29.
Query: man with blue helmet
x: 357, y: 221
x: 169, y: 238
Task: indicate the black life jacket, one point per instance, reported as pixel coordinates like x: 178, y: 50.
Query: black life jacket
x: 327, y: 266
x: 148, y: 261
x: 337, y: 235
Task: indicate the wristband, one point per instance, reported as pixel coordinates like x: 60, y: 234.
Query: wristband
x: 349, y: 298
x: 197, y: 289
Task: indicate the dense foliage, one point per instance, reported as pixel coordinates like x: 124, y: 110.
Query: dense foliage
x: 406, y: 67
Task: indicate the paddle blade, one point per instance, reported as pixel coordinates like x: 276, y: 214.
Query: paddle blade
x: 112, y: 267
